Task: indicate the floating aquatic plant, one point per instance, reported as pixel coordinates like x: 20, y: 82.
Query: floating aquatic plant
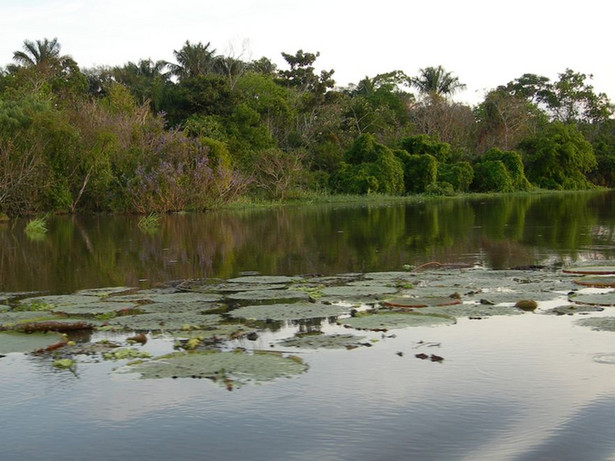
x: 383, y: 321
x: 293, y: 311
x: 36, y: 228
x: 150, y: 223
x: 233, y: 368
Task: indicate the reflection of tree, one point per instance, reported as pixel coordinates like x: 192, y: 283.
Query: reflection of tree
x: 93, y: 251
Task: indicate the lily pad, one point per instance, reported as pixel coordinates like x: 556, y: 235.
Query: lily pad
x: 61, y: 300
x: 228, y: 368
x: 267, y: 297
x: 17, y: 342
x: 264, y: 279
x: 179, y: 307
x: 321, y: 341
x: 293, y: 311
x: 166, y: 321
x: 591, y: 270
x: 598, y: 323
x: 596, y: 299
x: 498, y: 297
x: 8, y: 319
x: 472, y: 310
x: 408, y: 302
x: 353, y: 292
x: 101, y: 292
x: 383, y: 321
x: 597, y: 282
x: 390, y: 276
x: 571, y: 310
x: 96, y: 308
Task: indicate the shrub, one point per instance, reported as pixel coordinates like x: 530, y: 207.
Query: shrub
x: 492, y: 176
x: 458, y: 175
x: 420, y: 171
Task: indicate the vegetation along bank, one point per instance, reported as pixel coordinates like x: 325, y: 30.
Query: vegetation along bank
x: 207, y: 129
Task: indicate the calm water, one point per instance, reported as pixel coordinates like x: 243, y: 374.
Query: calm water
x: 524, y: 388
x: 88, y: 252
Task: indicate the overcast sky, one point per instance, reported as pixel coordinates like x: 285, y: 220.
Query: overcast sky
x: 485, y: 43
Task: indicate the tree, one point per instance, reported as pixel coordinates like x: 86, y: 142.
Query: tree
x: 504, y: 119
x: 435, y: 82
x: 42, y: 53
x: 301, y: 74
x: 558, y: 157
x: 570, y: 99
x: 192, y: 60
x: 146, y: 80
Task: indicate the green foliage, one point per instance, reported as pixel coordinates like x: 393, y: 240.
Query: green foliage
x: 420, y: 171
x: 423, y: 144
x: 558, y: 157
x: 459, y: 175
x: 442, y: 188
x: 369, y: 167
x: 36, y: 226
x: 514, y: 165
x: 149, y: 223
x: 492, y: 176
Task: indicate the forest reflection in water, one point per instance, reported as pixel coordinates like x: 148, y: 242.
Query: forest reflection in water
x: 498, y: 232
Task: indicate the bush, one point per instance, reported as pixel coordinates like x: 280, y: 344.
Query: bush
x: 514, y: 165
x: 420, y: 171
x: 492, y: 176
x: 423, y: 144
x: 440, y: 188
x: 369, y: 167
x: 458, y: 175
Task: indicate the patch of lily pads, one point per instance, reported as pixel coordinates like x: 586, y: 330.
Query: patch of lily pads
x: 230, y: 369
x: 293, y: 311
x: 383, y: 321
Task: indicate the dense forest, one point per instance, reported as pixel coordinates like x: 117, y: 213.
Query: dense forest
x: 208, y: 128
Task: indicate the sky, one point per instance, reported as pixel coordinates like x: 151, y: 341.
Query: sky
x: 485, y: 43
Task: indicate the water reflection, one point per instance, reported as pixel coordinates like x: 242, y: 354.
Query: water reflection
x: 81, y: 252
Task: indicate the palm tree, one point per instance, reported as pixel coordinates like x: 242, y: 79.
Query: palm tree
x: 192, y: 60
x: 42, y: 53
x: 437, y: 82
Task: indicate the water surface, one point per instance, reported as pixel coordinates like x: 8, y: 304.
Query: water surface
x: 522, y: 387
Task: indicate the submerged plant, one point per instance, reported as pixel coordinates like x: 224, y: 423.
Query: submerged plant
x: 36, y: 228
x: 150, y: 223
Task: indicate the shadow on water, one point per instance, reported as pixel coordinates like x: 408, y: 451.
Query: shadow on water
x: 91, y: 251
